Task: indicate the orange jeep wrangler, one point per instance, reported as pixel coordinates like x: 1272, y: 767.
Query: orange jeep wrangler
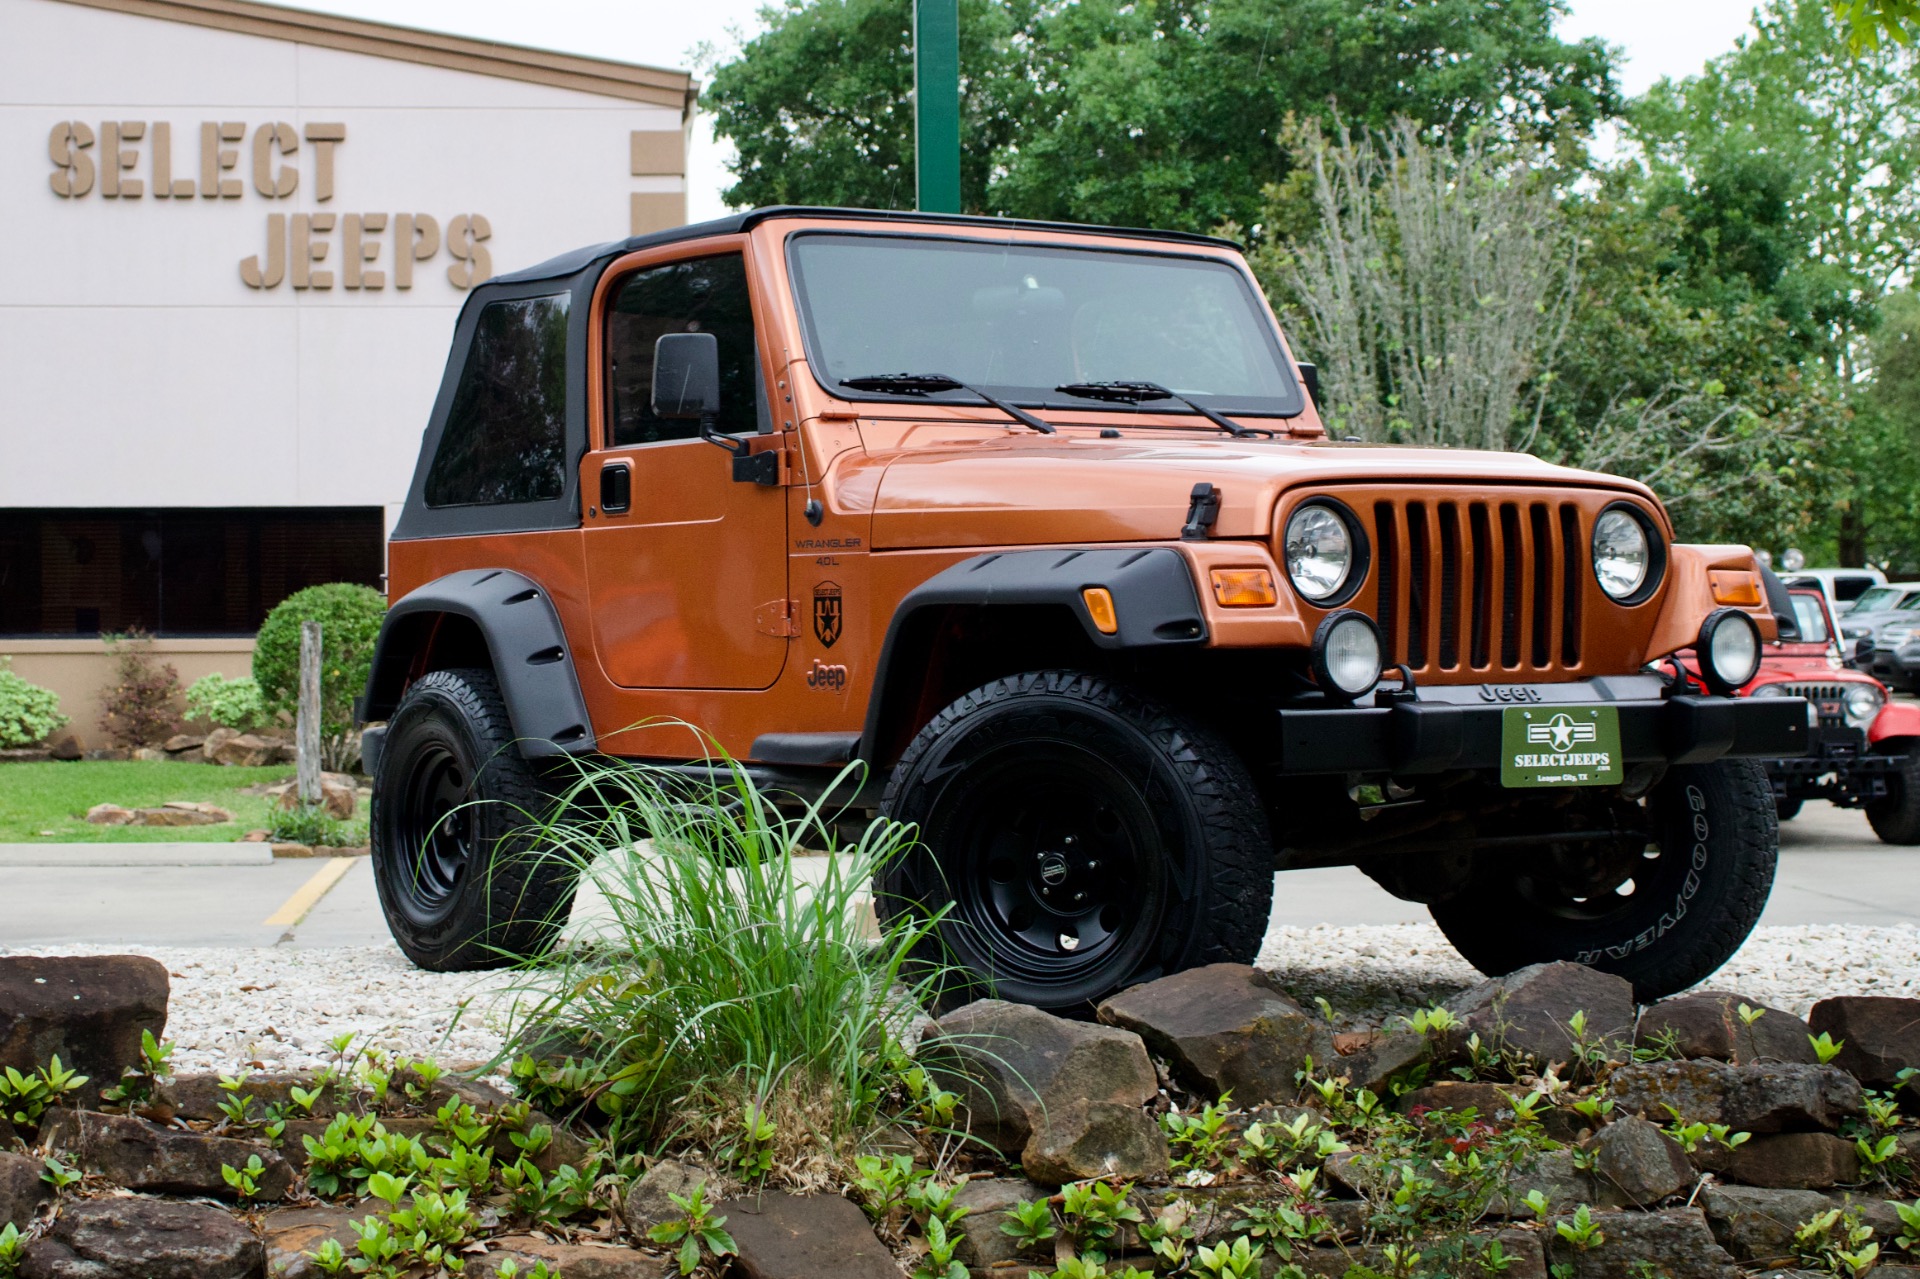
x: 1042, y: 523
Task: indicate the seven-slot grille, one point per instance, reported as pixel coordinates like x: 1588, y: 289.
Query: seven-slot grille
x: 1831, y: 699
x: 1483, y: 584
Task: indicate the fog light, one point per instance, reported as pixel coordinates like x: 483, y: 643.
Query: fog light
x: 1729, y: 649
x: 1346, y: 655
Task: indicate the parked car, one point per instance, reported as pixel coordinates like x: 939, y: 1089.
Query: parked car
x: 1876, y: 607
x: 1892, y: 653
x: 1041, y: 524
x: 1840, y: 586
x: 1866, y: 747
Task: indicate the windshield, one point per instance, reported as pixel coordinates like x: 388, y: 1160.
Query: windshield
x: 1021, y: 320
x: 1811, y: 619
x: 1877, y: 598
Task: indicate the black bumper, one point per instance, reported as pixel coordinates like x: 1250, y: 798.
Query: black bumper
x: 1412, y: 738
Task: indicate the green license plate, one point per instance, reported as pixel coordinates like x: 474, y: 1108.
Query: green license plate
x: 1560, y: 746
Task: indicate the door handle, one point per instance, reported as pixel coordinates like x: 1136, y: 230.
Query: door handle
x: 616, y: 487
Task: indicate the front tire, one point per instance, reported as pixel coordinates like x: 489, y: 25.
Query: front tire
x: 1665, y: 916
x: 1081, y: 838
x: 461, y: 884
x: 1896, y: 819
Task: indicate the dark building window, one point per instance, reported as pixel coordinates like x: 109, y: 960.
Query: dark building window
x: 175, y: 572
x: 506, y: 435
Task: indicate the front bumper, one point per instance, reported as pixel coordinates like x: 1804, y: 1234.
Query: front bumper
x: 1458, y: 727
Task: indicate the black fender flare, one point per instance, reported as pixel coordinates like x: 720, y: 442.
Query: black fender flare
x: 1156, y: 603
x: 531, y: 658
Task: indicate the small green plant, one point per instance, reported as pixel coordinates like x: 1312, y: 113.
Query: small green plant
x: 1749, y: 1014
x: 1431, y: 1021
x: 383, y: 1254
x: 226, y: 703
x: 1093, y: 1213
x: 329, y: 1258
x: 508, y: 1270
x: 1825, y: 1046
x: 1169, y: 1236
x: 138, y: 1082
x: 1030, y: 1224
x: 1537, y: 1200
x: 939, y: 1262
x: 1239, y: 1259
x: 245, y: 1182
x: 314, y: 827
x: 1580, y: 1230
x: 1909, y: 1238
x: 1837, y: 1242
x: 1596, y: 1108
x: 696, y: 1231
x: 24, y: 1098
x: 750, y: 1155
x: 28, y: 712
x: 59, y: 1175
x: 13, y: 1250
x: 1199, y: 1142
x: 1691, y: 1135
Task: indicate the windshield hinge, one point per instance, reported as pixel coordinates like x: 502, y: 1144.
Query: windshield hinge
x: 1203, y: 508
x: 776, y: 618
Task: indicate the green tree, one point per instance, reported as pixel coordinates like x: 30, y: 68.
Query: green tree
x: 1164, y: 113
x: 349, y: 617
x: 1836, y: 138
x: 1868, y: 22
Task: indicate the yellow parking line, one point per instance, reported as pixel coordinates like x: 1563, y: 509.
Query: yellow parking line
x: 308, y: 895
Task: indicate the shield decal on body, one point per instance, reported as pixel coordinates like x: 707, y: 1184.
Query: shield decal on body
x: 826, y: 613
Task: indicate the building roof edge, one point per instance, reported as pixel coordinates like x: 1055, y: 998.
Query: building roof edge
x: 604, y: 77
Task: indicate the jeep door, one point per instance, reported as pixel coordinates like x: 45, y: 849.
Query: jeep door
x: 686, y: 568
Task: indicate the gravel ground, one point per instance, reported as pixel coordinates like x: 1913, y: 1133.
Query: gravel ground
x: 276, y: 1009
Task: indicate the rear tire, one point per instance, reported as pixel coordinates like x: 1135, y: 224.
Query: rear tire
x: 460, y: 882
x: 1081, y: 838
x: 1664, y: 918
x: 1896, y: 819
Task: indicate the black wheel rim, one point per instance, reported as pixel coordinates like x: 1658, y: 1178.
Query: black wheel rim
x: 1056, y: 864
x: 1598, y: 882
x: 435, y: 825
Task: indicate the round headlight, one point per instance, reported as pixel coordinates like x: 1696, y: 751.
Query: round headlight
x: 1729, y: 648
x: 1622, y: 556
x: 1346, y: 655
x: 1863, y: 702
x: 1771, y: 690
x: 1320, y: 552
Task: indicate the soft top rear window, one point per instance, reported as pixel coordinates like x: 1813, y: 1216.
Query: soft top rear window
x: 1020, y: 320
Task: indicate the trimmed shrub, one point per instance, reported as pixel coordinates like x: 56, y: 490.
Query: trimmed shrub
x: 28, y: 713
x: 142, y: 705
x: 227, y: 703
x: 349, y: 617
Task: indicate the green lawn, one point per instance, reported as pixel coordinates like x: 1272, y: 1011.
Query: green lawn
x: 36, y: 799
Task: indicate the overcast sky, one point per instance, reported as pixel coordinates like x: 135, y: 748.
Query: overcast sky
x: 1659, y: 38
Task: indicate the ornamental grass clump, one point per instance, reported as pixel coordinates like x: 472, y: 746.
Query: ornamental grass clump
x: 730, y: 996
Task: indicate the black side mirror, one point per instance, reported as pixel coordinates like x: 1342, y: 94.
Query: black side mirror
x: 1310, y: 378
x: 686, y: 375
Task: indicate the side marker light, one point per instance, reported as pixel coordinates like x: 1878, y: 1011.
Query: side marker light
x: 1099, y: 601
x: 1243, y: 588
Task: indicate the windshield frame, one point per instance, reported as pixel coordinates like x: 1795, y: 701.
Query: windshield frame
x: 816, y: 365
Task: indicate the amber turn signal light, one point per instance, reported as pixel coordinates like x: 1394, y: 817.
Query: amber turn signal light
x: 1734, y: 586
x: 1243, y: 587
x: 1099, y: 602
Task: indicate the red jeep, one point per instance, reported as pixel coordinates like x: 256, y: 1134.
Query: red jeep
x: 1866, y: 747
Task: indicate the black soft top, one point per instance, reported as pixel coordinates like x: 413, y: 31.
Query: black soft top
x: 578, y: 260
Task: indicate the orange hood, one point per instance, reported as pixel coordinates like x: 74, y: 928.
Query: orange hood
x: 1033, y: 490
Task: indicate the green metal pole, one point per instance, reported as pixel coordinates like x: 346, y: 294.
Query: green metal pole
x: 936, y: 105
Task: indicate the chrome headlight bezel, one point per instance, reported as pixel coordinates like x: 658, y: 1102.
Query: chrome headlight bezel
x: 1871, y: 700
x: 1740, y: 632
x: 1359, y: 554
x: 1656, y: 553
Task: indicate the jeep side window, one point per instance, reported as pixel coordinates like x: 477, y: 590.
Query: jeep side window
x: 506, y: 434
x: 1812, y: 619
x: 699, y: 295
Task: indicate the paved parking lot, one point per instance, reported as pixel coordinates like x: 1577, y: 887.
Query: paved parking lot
x: 1832, y: 871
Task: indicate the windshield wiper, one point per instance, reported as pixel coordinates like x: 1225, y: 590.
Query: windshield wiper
x: 930, y: 383
x: 1142, y: 392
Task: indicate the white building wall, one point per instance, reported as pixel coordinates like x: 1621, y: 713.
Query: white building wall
x: 138, y: 369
